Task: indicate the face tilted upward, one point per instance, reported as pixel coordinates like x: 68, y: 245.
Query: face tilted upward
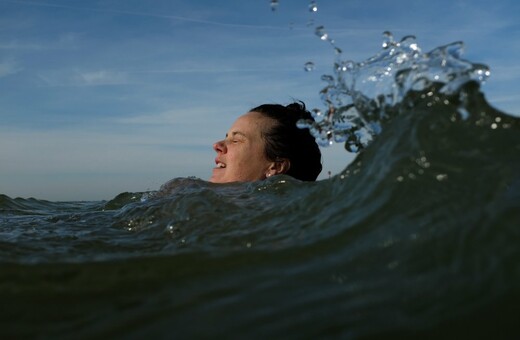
x: 241, y: 155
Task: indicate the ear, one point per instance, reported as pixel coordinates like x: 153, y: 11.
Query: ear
x: 280, y: 166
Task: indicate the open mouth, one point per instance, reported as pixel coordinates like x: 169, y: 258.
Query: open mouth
x: 221, y: 165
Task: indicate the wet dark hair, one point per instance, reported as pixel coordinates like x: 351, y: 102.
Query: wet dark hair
x: 286, y: 140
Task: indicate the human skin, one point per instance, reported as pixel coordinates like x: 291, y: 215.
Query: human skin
x: 241, y: 155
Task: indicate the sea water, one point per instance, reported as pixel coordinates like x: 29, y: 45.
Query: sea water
x: 417, y: 237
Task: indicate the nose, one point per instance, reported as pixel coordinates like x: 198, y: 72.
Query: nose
x: 220, y: 146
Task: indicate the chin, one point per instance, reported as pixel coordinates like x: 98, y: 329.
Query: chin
x: 216, y: 179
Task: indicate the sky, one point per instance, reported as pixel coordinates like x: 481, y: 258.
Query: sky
x: 103, y: 97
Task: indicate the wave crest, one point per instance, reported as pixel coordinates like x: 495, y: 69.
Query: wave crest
x: 360, y: 96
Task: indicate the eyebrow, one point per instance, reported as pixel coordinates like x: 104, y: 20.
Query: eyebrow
x: 237, y: 133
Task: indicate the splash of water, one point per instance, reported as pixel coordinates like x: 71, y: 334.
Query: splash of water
x: 359, y: 96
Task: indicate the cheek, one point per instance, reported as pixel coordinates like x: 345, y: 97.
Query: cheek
x: 249, y: 162
x: 255, y: 161
x: 241, y: 162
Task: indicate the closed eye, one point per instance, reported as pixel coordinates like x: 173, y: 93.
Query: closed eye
x: 236, y: 137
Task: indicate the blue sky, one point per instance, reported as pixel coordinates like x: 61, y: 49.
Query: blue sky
x: 102, y: 97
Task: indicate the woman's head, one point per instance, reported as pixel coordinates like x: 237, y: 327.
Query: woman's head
x: 265, y: 142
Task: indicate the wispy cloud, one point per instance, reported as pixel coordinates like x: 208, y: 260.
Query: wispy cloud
x: 83, y: 78
x: 171, y: 117
x: 66, y: 40
x: 102, y: 77
x: 9, y: 67
x: 17, y: 45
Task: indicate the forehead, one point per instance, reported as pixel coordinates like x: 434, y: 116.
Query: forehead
x: 252, y: 123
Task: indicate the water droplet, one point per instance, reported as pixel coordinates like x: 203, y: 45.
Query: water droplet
x: 388, y: 39
x: 340, y: 137
x: 401, y: 58
x: 324, y: 142
x: 441, y: 177
x: 313, y: 7
x: 328, y: 79
x: 274, y: 5
x: 407, y: 39
x: 482, y: 73
x: 317, y: 114
x: 309, y: 66
x: 303, y: 123
x: 464, y: 114
x: 320, y: 32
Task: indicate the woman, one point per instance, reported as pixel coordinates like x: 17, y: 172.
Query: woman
x: 265, y: 142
